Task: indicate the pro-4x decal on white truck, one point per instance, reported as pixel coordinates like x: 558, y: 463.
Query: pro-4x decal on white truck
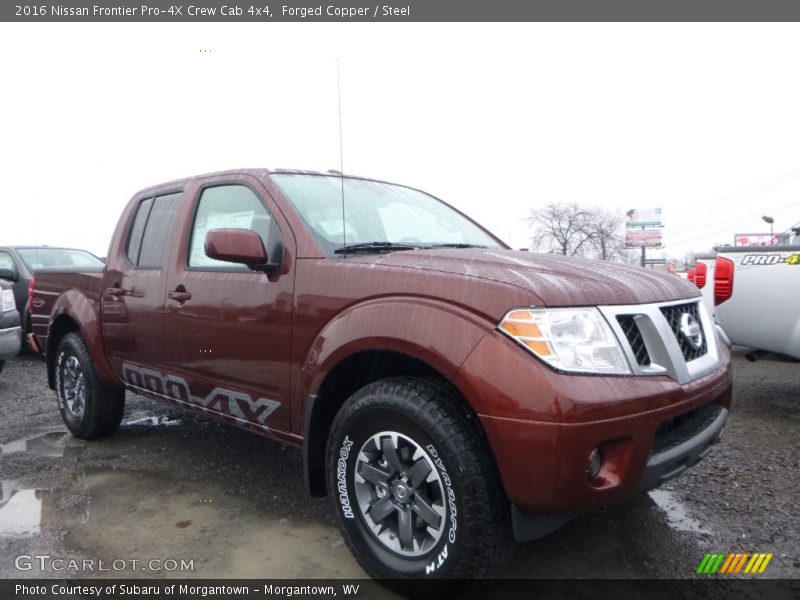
x: 756, y: 290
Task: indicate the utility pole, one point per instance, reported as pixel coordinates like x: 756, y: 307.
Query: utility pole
x: 644, y: 256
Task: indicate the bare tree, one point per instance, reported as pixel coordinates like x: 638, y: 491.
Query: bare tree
x: 604, y: 229
x: 560, y: 229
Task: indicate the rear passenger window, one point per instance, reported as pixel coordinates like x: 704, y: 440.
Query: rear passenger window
x: 135, y: 238
x: 151, y: 231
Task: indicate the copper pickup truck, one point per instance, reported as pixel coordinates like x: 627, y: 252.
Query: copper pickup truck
x: 446, y: 391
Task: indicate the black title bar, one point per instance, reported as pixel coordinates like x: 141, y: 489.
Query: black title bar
x: 401, y: 11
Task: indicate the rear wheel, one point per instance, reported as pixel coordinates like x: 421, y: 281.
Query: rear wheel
x: 89, y: 407
x: 414, y: 485
x: 2, y: 365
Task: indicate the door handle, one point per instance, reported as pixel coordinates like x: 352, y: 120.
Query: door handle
x: 116, y: 292
x: 179, y: 296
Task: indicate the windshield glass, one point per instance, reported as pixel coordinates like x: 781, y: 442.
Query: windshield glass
x: 42, y: 258
x: 376, y: 212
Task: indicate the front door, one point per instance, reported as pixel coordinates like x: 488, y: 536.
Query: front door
x: 232, y: 326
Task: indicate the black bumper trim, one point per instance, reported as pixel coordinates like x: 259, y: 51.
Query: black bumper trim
x: 663, y: 466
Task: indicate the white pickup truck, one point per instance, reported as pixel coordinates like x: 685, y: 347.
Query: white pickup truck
x: 757, y: 297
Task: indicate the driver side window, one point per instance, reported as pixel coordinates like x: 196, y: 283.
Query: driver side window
x: 228, y: 207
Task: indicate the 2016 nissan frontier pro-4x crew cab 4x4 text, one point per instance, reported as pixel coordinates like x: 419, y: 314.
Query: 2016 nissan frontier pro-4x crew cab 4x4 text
x: 446, y: 390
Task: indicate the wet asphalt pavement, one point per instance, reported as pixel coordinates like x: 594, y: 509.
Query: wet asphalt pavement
x: 172, y: 485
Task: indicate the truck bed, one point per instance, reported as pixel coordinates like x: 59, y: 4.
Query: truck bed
x: 51, y: 284
x: 762, y: 310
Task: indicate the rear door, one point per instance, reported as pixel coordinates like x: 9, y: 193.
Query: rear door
x: 231, y: 327
x: 133, y: 290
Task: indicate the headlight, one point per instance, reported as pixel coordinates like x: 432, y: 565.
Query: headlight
x: 8, y: 300
x: 568, y: 339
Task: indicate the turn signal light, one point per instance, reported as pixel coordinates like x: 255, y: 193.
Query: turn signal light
x: 520, y: 325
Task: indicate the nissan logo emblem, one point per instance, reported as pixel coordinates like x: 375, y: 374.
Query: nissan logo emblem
x: 690, y: 330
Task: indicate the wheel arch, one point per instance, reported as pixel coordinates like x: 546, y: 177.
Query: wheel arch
x: 349, y: 375
x: 74, y: 312
x: 378, y: 338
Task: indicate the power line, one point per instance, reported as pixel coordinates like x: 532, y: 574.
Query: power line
x: 792, y: 175
x: 737, y: 219
x: 718, y: 231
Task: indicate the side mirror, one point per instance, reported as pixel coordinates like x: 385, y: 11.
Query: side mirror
x: 8, y: 274
x: 241, y: 246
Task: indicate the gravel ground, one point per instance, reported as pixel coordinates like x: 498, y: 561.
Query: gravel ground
x: 171, y: 484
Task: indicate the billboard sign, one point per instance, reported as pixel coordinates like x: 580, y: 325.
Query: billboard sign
x: 644, y: 217
x: 643, y: 238
x: 755, y: 239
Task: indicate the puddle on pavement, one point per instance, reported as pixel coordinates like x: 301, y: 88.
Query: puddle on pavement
x: 143, y: 516
x: 46, y: 444
x: 20, y: 510
x: 676, y: 512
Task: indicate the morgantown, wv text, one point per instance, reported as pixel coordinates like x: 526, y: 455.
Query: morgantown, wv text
x: 182, y: 590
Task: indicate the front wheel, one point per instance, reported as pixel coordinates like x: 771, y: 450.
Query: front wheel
x: 414, y: 485
x: 89, y: 407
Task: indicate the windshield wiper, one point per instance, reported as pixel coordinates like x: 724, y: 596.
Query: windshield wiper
x: 374, y: 247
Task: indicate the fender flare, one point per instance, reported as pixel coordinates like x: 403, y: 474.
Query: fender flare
x: 84, y: 313
x: 433, y: 332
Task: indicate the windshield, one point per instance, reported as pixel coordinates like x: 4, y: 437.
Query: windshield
x: 377, y: 212
x: 42, y: 258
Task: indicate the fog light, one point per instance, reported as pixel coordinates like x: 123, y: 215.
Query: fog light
x: 595, y: 463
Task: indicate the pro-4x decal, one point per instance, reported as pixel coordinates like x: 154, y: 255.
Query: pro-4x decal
x: 228, y: 402
x: 769, y: 259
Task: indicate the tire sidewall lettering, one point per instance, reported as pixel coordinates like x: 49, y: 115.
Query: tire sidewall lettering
x: 60, y: 380
x: 341, y: 478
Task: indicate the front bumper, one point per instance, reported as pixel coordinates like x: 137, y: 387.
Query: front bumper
x: 10, y: 340
x: 543, y: 426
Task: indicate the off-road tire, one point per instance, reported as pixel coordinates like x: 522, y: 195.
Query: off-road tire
x: 2, y: 365
x: 102, y: 405
x: 476, y: 535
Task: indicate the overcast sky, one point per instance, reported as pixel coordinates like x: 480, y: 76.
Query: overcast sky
x: 702, y: 120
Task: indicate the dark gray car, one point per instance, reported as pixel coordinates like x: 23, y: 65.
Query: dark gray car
x: 18, y: 263
x: 10, y: 330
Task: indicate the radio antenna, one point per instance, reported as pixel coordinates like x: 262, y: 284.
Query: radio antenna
x: 341, y: 152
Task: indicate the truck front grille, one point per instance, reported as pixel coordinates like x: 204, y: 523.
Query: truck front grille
x: 673, y: 316
x: 635, y: 339
x: 651, y: 338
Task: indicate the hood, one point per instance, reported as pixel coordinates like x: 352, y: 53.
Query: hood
x: 556, y: 280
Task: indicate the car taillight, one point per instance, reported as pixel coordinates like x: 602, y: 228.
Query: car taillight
x: 700, y: 270
x: 690, y: 275
x: 723, y: 280
x: 31, y: 286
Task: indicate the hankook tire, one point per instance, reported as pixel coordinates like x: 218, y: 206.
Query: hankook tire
x: 416, y: 491
x: 89, y: 407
